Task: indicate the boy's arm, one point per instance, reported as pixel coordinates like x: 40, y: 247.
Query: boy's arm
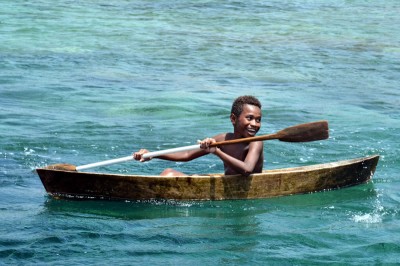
x: 184, y: 156
x: 247, y: 166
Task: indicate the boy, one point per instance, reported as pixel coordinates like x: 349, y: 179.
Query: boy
x: 240, y: 158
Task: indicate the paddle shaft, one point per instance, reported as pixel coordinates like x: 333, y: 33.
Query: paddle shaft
x: 299, y: 133
x: 145, y: 156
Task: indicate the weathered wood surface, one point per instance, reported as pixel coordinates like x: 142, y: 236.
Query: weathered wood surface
x: 270, y: 183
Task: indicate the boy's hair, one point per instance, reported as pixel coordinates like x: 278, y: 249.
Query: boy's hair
x: 237, y: 106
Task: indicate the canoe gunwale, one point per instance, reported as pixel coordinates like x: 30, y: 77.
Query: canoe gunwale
x: 265, y: 172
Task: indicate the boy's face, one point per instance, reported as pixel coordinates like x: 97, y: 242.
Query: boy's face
x: 248, y: 123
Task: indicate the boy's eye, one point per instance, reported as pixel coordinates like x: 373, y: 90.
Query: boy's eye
x: 249, y: 118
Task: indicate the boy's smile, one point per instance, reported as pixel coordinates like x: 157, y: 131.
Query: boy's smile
x: 248, y: 123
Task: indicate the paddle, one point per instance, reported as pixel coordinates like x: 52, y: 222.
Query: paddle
x: 299, y: 133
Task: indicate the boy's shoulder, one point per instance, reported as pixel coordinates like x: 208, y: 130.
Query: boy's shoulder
x: 223, y: 136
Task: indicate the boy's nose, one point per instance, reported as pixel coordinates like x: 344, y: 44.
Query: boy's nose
x: 254, y: 123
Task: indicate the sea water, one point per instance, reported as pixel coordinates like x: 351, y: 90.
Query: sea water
x: 86, y: 81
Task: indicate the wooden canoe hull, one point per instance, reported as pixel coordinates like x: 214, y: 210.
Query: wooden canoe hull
x: 270, y: 183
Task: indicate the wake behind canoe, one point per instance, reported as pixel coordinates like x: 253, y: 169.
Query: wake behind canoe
x: 269, y: 183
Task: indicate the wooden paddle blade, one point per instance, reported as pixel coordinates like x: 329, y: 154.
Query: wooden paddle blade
x: 62, y: 167
x: 305, y: 132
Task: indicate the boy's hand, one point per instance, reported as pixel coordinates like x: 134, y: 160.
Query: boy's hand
x: 205, y: 145
x: 138, y: 156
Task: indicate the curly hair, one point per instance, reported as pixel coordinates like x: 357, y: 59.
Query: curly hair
x: 237, y: 106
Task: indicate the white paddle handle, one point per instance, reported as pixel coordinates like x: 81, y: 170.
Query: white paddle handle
x: 145, y: 156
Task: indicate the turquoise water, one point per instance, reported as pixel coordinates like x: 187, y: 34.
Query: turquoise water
x: 86, y: 81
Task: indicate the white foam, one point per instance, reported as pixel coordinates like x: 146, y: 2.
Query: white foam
x: 368, y: 218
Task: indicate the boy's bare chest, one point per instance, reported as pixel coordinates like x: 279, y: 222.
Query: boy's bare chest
x: 238, y: 151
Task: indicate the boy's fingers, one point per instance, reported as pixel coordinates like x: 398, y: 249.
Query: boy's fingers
x: 205, y: 143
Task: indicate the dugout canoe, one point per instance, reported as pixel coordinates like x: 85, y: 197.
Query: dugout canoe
x: 269, y: 183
